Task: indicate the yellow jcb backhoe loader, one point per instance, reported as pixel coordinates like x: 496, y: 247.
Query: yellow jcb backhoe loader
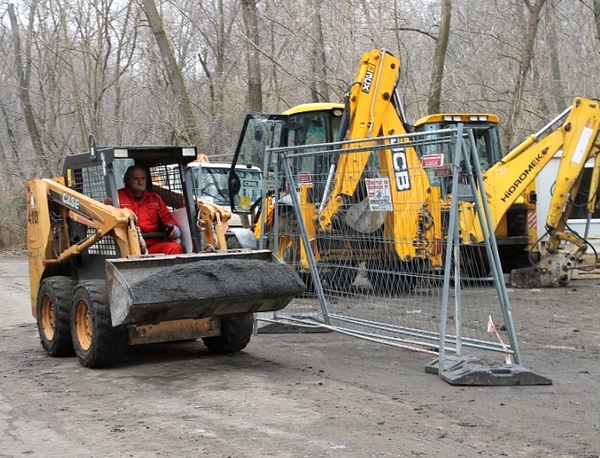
x: 373, y: 109
x: 574, y: 135
x: 93, y: 292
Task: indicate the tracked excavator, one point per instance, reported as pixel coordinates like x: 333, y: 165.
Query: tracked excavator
x: 94, y: 291
x: 373, y: 111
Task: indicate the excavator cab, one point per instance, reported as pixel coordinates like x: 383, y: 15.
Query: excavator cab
x: 436, y: 157
x: 306, y: 124
x: 516, y: 229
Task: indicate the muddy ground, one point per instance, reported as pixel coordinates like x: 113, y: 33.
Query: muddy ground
x: 307, y: 395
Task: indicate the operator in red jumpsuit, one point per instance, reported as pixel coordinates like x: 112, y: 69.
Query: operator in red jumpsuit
x: 151, y: 211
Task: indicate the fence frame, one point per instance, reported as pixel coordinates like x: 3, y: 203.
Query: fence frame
x: 378, y: 331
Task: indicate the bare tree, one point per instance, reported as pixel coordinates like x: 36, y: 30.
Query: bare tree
x: 74, y: 77
x: 23, y: 64
x: 319, y: 87
x: 188, y: 133
x: 9, y: 162
x: 597, y: 18
x: 526, y: 60
x: 74, y: 67
x: 123, y: 61
x: 220, y: 44
x: 252, y: 55
x: 439, y: 58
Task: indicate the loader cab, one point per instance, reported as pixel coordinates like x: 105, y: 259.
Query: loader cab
x: 437, y: 158
x: 99, y: 173
x: 306, y: 124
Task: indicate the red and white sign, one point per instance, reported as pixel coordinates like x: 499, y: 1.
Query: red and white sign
x: 430, y: 161
x: 304, y: 177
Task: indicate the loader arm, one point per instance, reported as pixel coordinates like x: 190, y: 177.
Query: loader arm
x: 50, y: 205
x: 373, y: 109
x: 212, y: 220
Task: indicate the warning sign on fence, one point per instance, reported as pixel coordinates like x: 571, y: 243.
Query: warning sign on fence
x: 380, y: 198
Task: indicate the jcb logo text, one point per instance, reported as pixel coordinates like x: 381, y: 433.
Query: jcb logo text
x: 400, y: 169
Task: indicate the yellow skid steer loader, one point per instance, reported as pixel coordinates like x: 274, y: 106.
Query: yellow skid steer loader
x: 93, y: 292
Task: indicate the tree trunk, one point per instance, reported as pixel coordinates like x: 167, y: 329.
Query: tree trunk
x: 122, y: 62
x: 558, y: 88
x: 319, y: 88
x: 11, y: 163
x: 75, y: 82
x: 252, y: 55
x: 190, y: 134
x: 597, y: 18
x: 524, y: 67
x: 23, y: 76
x: 439, y: 57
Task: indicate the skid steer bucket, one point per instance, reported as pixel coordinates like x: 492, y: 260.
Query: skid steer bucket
x: 151, y: 289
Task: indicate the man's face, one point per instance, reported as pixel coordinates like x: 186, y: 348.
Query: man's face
x: 137, y: 181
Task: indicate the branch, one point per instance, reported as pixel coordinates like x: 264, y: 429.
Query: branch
x: 410, y: 29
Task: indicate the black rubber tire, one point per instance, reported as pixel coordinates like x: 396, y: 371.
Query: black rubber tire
x: 236, y: 332
x: 96, y: 342
x: 233, y: 243
x: 53, y: 310
x: 515, y: 257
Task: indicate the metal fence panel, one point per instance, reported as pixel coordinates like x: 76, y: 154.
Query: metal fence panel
x: 375, y: 266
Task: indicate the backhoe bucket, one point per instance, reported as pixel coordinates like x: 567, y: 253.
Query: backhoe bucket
x: 151, y: 289
x: 551, y: 271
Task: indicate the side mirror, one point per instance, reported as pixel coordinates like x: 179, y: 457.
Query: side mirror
x: 234, y: 186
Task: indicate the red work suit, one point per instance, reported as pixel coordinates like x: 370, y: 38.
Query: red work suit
x: 151, y: 211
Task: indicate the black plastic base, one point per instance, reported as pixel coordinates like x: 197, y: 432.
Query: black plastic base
x: 470, y: 371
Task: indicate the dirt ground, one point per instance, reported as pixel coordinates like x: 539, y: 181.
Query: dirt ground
x: 301, y: 395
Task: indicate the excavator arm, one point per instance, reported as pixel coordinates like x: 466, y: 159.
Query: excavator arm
x: 580, y: 147
x: 576, y: 136
x: 577, y: 139
x: 369, y: 113
x: 373, y: 109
